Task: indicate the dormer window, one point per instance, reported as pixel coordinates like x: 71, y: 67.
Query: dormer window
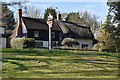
x: 53, y: 34
x: 36, y: 33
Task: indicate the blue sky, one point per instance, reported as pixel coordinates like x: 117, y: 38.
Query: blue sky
x: 98, y: 8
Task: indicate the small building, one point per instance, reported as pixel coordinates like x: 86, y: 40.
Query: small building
x: 64, y: 34
x: 2, y: 37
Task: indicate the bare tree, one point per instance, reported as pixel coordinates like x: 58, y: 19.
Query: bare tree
x: 15, y: 3
x: 89, y: 19
x: 33, y: 12
x: 64, y: 16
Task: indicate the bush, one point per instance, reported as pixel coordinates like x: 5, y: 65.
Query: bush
x: 97, y: 47
x: 21, y: 43
x: 103, y: 47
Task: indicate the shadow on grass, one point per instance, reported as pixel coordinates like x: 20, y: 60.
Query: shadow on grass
x: 22, y: 59
x: 41, y: 67
x: 102, y: 62
x: 108, y: 54
x: 21, y: 66
x: 84, y: 73
x: 35, y: 52
x: 46, y: 52
x: 21, y: 51
x: 49, y: 53
x: 50, y: 61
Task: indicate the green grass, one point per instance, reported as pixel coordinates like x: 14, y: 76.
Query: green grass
x: 41, y: 63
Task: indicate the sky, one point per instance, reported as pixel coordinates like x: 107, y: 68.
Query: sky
x: 97, y: 7
x: 100, y: 9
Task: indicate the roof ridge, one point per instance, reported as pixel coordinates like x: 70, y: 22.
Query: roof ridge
x: 33, y: 18
x: 73, y: 23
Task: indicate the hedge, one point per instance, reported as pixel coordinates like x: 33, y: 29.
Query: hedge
x: 21, y: 43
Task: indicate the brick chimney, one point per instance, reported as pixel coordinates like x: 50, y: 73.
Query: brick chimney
x: 58, y: 16
x: 19, y: 30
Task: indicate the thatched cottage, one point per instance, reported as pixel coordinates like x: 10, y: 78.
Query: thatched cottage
x: 64, y: 34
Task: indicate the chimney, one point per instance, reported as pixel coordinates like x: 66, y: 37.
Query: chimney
x: 19, y: 32
x: 58, y: 16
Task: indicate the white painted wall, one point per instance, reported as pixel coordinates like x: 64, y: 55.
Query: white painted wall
x: 2, y: 30
x: 86, y: 41
x: 24, y: 28
x: 81, y: 41
x: 45, y: 43
x: 2, y: 42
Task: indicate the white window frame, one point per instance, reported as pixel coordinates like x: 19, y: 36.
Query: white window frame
x: 36, y: 33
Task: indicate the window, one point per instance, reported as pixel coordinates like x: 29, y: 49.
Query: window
x: 53, y: 34
x: 84, y: 45
x: 54, y: 44
x: 36, y: 33
x: 70, y: 45
x: 39, y: 44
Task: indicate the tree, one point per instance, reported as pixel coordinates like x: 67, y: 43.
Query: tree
x: 33, y: 12
x: 107, y: 22
x: 107, y: 37
x: 106, y: 40
x: 51, y: 11
x: 16, y: 4
x: 7, y: 18
x: 74, y: 17
x: 110, y: 34
x: 8, y: 15
x: 64, y: 16
x: 86, y: 18
x: 114, y: 9
x: 90, y: 20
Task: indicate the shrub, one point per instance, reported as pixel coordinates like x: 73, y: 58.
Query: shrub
x: 103, y: 47
x: 97, y: 47
x: 21, y: 43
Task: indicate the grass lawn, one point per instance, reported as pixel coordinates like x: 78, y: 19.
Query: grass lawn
x: 42, y: 63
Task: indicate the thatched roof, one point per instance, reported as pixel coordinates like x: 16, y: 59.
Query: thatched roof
x: 39, y: 24
x: 69, y: 40
x: 73, y: 29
